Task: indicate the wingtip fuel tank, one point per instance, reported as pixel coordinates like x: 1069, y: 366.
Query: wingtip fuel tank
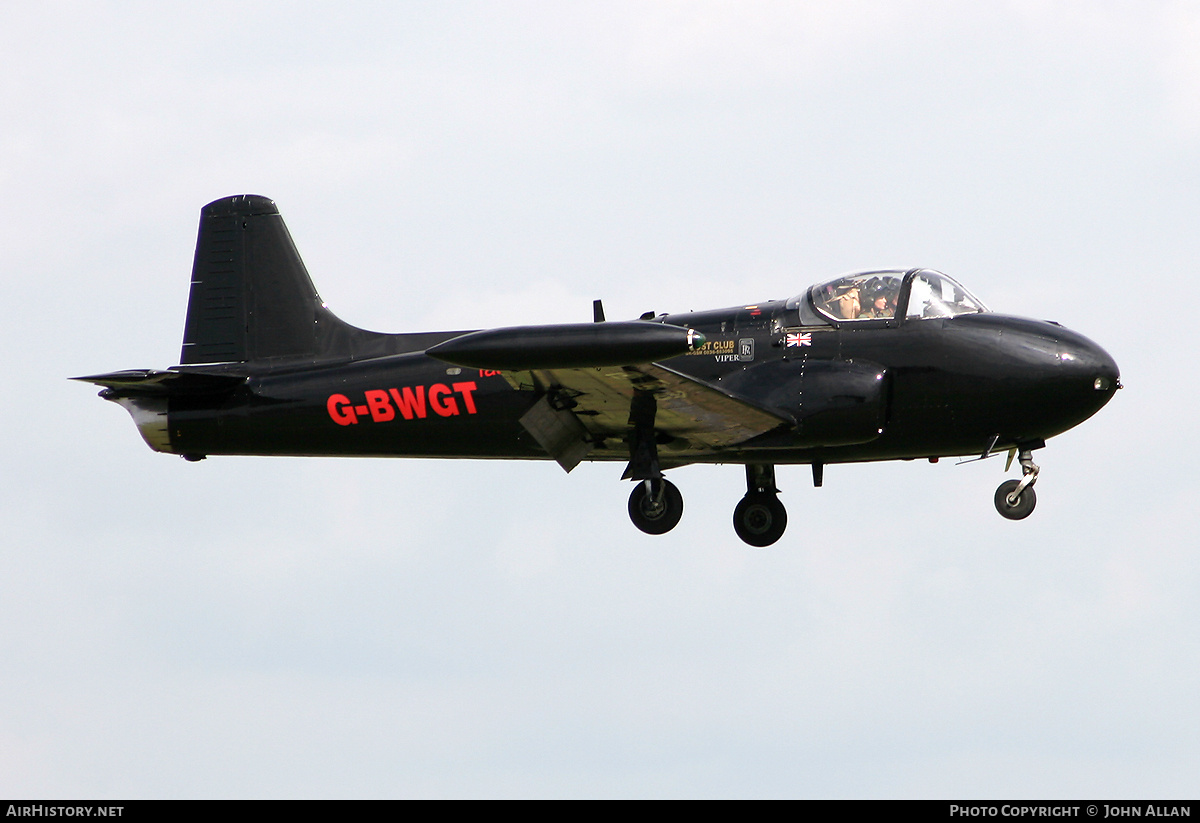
x: 568, y: 346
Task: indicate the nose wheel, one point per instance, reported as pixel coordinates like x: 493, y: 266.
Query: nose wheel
x: 655, y: 506
x: 1015, y: 499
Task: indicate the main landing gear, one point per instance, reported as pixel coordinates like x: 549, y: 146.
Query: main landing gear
x: 1015, y: 499
x: 760, y: 518
x: 655, y: 507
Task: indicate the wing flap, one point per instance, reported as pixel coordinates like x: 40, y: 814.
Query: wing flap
x: 703, y: 415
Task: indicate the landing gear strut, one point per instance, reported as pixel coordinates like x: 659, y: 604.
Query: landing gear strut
x: 760, y: 518
x: 655, y: 505
x: 1015, y: 499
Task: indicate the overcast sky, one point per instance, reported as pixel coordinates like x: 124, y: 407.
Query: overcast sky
x: 267, y: 627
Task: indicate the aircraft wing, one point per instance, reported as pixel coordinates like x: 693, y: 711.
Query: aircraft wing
x: 591, y: 377
x: 698, y: 415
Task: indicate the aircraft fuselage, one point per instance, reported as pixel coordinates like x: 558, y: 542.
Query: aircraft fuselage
x: 945, y: 387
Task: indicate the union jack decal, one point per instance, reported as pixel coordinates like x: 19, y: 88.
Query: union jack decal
x: 798, y: 339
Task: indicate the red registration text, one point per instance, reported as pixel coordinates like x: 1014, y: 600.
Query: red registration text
x: 408, y: 403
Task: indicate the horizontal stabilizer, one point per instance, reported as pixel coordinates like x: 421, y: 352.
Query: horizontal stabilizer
x: 164, y: 383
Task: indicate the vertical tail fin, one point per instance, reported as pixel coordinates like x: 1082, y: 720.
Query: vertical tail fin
x: 251, y: 297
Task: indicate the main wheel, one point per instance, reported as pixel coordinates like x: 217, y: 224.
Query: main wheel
x: 759, y: 519
x: 655, y: 516
x: 1017, y: 508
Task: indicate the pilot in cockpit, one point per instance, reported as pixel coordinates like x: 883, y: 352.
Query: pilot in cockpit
x: 848, y: 305
x: 881, y: 306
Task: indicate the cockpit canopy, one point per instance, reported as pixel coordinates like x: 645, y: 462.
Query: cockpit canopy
x: 876, y: 295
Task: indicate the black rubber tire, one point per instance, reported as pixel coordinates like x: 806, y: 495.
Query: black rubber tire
x: 1022, y: 507
x: 759, y: 519
x: 654, y: 519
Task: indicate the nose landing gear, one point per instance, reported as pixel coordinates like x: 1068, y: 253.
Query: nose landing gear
x: 1015, y: 499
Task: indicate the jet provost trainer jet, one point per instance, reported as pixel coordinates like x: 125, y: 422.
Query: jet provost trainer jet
x: 880, y: 365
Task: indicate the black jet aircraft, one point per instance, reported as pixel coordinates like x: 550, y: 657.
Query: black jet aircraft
x: 880, y: 365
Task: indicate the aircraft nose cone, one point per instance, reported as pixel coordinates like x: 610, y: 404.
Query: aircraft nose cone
x: 1090, y: 371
